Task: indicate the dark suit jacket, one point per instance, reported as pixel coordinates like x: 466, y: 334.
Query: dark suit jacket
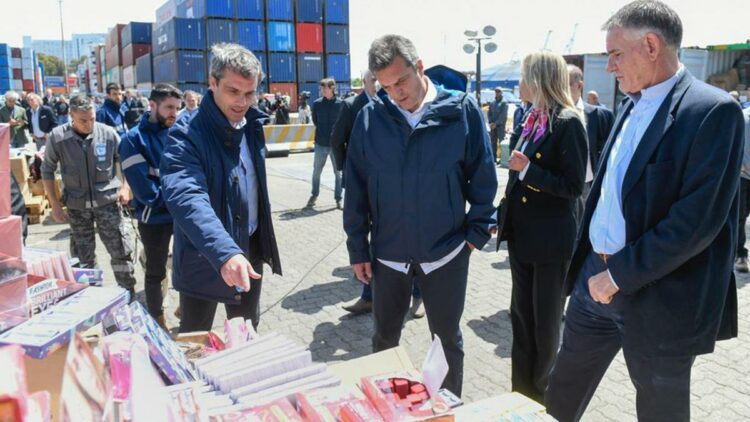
x: 342, y: 128
x: 599, y: 121
x: 537, y: 213
x: 47, y: 119
x: 680, y: 203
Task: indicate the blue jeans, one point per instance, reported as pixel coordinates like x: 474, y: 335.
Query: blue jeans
x: 321, y: 155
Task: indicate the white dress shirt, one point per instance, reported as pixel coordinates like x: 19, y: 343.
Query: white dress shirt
x: 37, y: 132
x: 589, y: 169
x: 607, y: 230
x: 413, y: 120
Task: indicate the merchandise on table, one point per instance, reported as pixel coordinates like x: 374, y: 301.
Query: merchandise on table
x: 14, y: 309
x: 13, y: 391
x: 44, y: 293
x: 83, y: 396
x: 48, y: 263
x: 402, y: 397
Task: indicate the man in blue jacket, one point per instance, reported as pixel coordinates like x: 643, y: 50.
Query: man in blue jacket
x: 140, y: 151
x: 417, y: 154
x: 325, y: 110
x: 111, y: 112
x: 213, y: 178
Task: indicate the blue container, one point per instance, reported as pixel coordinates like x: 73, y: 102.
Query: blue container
x: 4, y: 50
x: 282, y: 67
x: 263, y: 59
x: 337, y: 11
x: 5, y: 61
x: 312, y: 87
x: 4, y: 85
x: 280, y: 36
x: 218, y: 31
x: 343, y: 88
x: 199, y: 9
x: 251, y: 35
x: 249, y: 9
x: 338, y: 67
x: 310, y: 67
x: 179, y: 34
x: 199, y: 88
x: 180, y: 66
x: 6, y: 73
x: 280, y: 10
x: 136, y: 33
x: 310, y: 11
x: 337, y: 39
x: 144, y: 69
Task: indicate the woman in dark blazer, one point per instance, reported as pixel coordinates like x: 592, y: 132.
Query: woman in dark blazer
x: 537, y: 218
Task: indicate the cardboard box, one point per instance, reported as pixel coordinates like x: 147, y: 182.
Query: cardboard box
x: 11, y: 233
x: 36, y: 188
x: 5, y: 199
x: 19, y: 166
x: 509, y: 406
x: 4, y: 146
x: 391, y: 360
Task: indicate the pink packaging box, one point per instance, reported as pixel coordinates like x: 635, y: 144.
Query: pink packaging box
x: 5, y: 193
x: 4, y: 147
x: 11, y: 233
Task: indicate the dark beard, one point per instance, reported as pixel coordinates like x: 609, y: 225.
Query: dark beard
x: 162, y: 121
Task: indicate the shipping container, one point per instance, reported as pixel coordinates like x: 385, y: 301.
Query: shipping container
x: 6, y: 73
x: 199, y: 9
x: 179, y: 34
x: 199, y: 88
x: 27, y: 63
x: 219, y: 31
x: 280, y: 10
x: 263, y: 59
x: 132, y: 51
x: 113, y: 75
x: 249, y: 9
x: 5, y: 85
x: 337, y: 11
x: 114, y: 58
x: 5, y: 50
x: 143, y: 69
x: 27, y: 53
x: 309, y: 10
x: 28, y: 85
x: 285, y: 88
x: 251, y: 35
x: 16, y: 85
x: 310, y: 67
x: 337, y: 39
x: 17, y: 74
x: 312, y: 87
x: 309, y: 38
x: 144, y: 87
x: 128, y: 77
x: 166, y: 12
x: 280, y: 36
x: 16, y: 63
x: 343, y: 88
x: 706, y: 63
x: 136, y: 33
x: 27, y: 73
x: 180, y: 66
x: 114, y: 37
x: 15, y: 52
x: 337, y: 67
x: 281, y: 67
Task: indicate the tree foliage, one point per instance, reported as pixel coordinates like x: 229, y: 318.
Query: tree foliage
x: 53, y: 66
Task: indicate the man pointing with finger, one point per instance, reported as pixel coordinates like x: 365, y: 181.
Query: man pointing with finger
x: 213, y: 177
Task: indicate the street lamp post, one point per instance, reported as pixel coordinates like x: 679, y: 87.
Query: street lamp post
x: 489, y: 47
x: 62, y: 43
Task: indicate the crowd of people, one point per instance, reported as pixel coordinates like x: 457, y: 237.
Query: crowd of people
x: 634, y: 217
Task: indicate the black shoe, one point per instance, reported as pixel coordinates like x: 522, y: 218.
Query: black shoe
x: 741, y: 265
x: 311, y: 201
x: 359, y: 307
x: 338, y: 205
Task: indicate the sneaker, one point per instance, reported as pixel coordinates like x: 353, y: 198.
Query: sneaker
x: 359, y: 307
x: 178, y: 312
x: 338, y: 205
x: 311, y: 201
x: 417, y: 309
x: 741, y: 265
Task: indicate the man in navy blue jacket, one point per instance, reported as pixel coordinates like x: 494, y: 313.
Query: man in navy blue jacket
x: 652, y: 271
x: 213, y: 176
x: 111, y: 112
x: 417, y: 154
x: 140, y: 151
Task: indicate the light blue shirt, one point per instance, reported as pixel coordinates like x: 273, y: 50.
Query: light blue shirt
x: 607, y: 231
x: 251, y: 180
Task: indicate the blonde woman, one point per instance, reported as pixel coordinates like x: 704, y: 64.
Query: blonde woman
x: 537, y: 218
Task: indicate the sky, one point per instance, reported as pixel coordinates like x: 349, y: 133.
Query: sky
x: 435, y: 26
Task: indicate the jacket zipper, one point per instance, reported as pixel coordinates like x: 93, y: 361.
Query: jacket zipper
x: 88, y: 175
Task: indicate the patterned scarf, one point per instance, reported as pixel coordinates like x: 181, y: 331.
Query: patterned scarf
x: 541, y: 127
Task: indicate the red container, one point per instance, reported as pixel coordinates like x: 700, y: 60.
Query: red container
x: 309, y: 38
x: 114, y: 37
x: 15, y: 53
x: 132, y: 52
x: 17, y: 74
x: 28, y: 85
x: 113, y: 58
x: 286, y: 88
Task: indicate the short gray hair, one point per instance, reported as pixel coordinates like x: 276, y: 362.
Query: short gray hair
x: 385, y: 49
x: 12, y: 95
x: 236, y: 58
x: 81, y: 103
x: 652, y: 16
x: 575, y: 73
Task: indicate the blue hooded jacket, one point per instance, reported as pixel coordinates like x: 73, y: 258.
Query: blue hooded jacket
x: 140, y: 153
x: 201, y: 178
x: 111, y: 115
x: 407, y: 188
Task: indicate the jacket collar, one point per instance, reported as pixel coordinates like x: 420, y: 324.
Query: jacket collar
x: 229, y: 136
x: 145, y: 125
x: 445, y: 107
x: 111, y: 105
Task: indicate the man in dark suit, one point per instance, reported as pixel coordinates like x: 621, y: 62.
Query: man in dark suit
x: 350, y: 107
x: 598, y: 121
x: 497, y: 116
x: 41, y: 119
x: 652, y: 271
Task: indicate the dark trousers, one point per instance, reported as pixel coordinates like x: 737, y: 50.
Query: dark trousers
x: 198, y: 314
x: 443, y: 293
x: 592, y: 337
x: 367, y: 293
x: 744, y: 212
x: 496, y: 136
x: 536, y: 308
x: 155, y: 238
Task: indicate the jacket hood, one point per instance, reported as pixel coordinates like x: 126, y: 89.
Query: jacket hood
x: 146, y: 126
x: 447, y: 78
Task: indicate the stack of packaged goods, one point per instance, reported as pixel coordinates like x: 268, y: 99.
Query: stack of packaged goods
x: 136, y: 41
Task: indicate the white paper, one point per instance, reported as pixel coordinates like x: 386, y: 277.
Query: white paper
x: 435, y: 367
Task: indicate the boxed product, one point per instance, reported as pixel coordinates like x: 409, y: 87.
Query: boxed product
x: 359, y: 411
x: 5, y: 193
x: 44, y: 293
x: 323, y: 405
x: 49, y: 263
x: 92, y: 276
x: 4, y: 147
x: 11, y: 233
x: 14, y: 308
x: 84, y: 392
x: 402, y: 396
x: 13, y: 391
x: 276, y: 411
x: 505, y: 407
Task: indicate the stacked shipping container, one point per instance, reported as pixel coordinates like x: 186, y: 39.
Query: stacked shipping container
x: 136, y: 41
x: 113, y: 55
x: 18, y: 69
